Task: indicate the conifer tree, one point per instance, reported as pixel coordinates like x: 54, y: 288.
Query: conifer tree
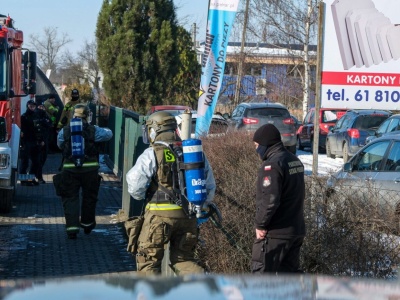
x: 138, y: 52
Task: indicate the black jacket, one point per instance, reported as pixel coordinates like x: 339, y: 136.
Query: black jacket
x: 280, y: 193
x: 28, y: 127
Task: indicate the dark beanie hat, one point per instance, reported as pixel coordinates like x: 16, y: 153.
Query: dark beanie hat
x: 30, y: 102
x: 267, y: 135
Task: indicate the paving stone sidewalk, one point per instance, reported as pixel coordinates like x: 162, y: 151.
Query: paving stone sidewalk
x: 33, y: 242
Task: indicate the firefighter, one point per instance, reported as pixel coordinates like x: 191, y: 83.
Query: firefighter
x: 66, y: 114
x: 52, y: 111
x: 151, y: 180
x: 83, y: 176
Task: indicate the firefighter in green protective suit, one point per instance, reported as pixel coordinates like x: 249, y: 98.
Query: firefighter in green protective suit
x: 52, y: 112
x: 66, y: 113
x: 165, y: 219
x: 82, y: 174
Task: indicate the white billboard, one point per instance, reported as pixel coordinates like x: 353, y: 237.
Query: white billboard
x: 361, y: 57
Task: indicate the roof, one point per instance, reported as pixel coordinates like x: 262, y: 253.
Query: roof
x: 369, y: 111
x: 265, y: 49
x: 169, y: 107
x: 326, y: 108
x: 395, y: 116
x: 262, y: 105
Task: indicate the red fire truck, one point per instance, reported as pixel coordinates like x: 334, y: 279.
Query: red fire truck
x: 17, y: 80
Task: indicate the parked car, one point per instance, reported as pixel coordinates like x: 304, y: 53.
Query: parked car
x: 327, y: 118
x: 174, y: 109
x: 218, y: 126
x: 390, y: 125
x: 374, y: 166
x: 297, y: 122
x: 251, y: 116
x: 351, y: 131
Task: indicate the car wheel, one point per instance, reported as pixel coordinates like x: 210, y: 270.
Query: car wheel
x: 345, y: 153
x: 312, y: 145
x: 299, y: 145
x: 328, y: 150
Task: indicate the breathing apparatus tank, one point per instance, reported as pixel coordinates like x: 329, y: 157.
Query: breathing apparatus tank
x: 77, y: 141
x: 195, y: 181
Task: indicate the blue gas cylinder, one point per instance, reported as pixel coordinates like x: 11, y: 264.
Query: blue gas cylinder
x: 77, y: 140
x: 194, y: 178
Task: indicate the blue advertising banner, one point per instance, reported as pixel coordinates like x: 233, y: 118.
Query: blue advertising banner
x: 221, y: 15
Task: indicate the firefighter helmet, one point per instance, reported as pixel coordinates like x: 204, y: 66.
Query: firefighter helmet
x: 81, y: 111
x: 159, y: 122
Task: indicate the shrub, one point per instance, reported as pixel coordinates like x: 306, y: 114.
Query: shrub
x: 348, y: 233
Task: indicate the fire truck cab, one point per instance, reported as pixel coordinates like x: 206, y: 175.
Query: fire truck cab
x: 17, y: 81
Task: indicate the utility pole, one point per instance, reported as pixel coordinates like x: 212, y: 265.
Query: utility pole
x: 194, y: 32
x: 241, y: 55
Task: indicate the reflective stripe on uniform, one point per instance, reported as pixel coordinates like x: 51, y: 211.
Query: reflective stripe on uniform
x: 86, y: 164
x: 158, y: 206
x: 72, y: 228
x: 87, y: 225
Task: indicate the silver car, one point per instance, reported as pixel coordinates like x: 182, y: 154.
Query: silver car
x: 375, y: 167
x: 389, y: 126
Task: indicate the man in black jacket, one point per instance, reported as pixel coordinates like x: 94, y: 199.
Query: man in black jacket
x: 29, y: 143
x: 42, y: 129
x: 279, y: 221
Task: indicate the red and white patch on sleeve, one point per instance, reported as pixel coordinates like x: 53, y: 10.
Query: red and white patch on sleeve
x: 267, y: 168
x: 267, y: 181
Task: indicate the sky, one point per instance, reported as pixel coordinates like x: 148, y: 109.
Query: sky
x: 78, y: 18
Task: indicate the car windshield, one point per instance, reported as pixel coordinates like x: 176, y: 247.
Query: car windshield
x: 370, y: 157
x: 216, y: 126
x: 173, y: 112
x: 368, y: 122
x: 268, y: 112
x: 393, y: 160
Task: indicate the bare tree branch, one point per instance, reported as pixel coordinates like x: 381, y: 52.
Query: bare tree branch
x: 48, y: 47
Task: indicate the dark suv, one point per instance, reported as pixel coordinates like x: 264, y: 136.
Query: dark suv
x: 251, y: 116
x: 351, y: 131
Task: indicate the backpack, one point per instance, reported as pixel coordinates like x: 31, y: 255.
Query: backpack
x: 91, y: 150
x: 170, y: 177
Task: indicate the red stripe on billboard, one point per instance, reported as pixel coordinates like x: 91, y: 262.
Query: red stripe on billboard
x: 361, y: 79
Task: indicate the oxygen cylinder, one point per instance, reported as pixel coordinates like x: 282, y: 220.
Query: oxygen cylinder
x: 77, y: 141
x: 194, y: 177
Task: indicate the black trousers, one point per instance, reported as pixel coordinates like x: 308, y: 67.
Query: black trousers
x: 276, y: 255
x: 30, y: 152
x: 77, y: 211
x: 43, y: 151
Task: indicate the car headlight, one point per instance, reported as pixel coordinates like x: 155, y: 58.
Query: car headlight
x: 4, y: 161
